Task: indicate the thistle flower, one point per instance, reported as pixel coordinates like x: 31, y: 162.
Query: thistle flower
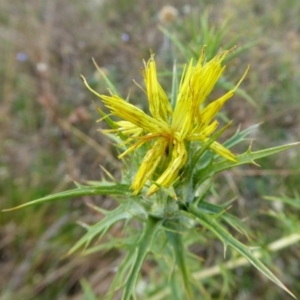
x: 166, y: 129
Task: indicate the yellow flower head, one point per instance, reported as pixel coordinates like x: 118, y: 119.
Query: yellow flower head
x: 169, y: 129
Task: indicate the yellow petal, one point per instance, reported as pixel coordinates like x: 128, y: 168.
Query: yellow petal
x: 196, y: 84
x: 129, y: 129
x: 205, y: 132
x: 179, y: 157
x: 182, y: 114
x: 132, y: 114
x: 222, y: 151
x: 159, y: 104
x: 210, y: 111
x: 149, y: 164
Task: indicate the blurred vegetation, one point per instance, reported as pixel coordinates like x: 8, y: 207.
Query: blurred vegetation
x: 48, y: 131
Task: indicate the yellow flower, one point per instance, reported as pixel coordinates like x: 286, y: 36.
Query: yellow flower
x: 168, y: 130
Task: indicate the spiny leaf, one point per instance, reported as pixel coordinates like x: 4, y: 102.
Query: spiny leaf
x: 123, y: 268
x: 245, y: 158
x: 206, y: 145
x: 250, y: 157
x: 114, y: 243
x: 240, y: 136
x: 209, y: 208
x: 109, y: 189
x: 125, y: 211
x: 178, y: 247
x: 275, y: 246
x: 228, y: 240
x: 141, y: 249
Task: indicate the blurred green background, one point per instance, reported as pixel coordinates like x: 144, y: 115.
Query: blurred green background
x: 49, y: 134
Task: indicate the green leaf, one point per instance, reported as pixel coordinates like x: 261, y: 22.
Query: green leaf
x: 121, y: 273
x: 238, y: 50
x: 183, y: 49
x: 209, y: 208
x: 214, y: 226
x: 284, y: 199
x: 236, y: 262
x: 174, y: 86
x: 176, y: 293
x: 227, y: 85
x: 249, y: 157
x: 87, y: 290
x: 113, y: 243
x: 203, y: 189
x: 105, y: 117
x: 180, y: 253
x: 140, y: 249
x: 106, y: 79
x: 240, y: 136
x: 109, y: 122
x: 206, y: 145
x: 245, y: 158
x: 108, y: 189
x: 125, y: 211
